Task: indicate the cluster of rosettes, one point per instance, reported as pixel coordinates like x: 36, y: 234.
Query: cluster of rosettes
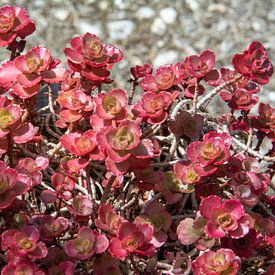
x: 108, y: 180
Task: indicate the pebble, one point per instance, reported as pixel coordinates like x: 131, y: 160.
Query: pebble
x: 271, y: 15
x: 119, y: 30
x: 158, y: 26
x: 84, y: 25
x: 61, y: 14
x: 145, y: 12
x: 258, y: 24
x: 168, y: 15
x: 164, y: 58
x: 192, y: 4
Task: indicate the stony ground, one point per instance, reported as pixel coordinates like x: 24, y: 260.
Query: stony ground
x: 156, y: 31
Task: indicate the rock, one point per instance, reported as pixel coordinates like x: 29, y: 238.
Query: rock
x: 192, y: 4
x: 164, y: 58
x: 61, y: 14
x: 158, y: 26
x: 217, y: 8
x: 258, y: 24
x: 84, y: 26
x: 271, y: 15
x: 145, y: 12
x: 121, y: 29
x: 168, y: 15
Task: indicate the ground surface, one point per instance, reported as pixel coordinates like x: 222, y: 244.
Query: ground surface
x: 156, y: 31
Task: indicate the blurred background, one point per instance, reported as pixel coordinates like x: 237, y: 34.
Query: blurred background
x: 155, y: 31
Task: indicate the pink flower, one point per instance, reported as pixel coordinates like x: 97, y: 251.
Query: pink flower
x: 26, y: 72
x: 14, y: 22
x: 186, y: 124
x: 132, y: 238
x: 81, y: 144
x: 24, y: 267
x: 64, y: 185
x: 242, y: 100
x: 81, y: 207
x: 24, y: 242
x: 32, y: 168
x: 223, y: 261
x: 108, y: 220
x: 87, y: 243
x: 123, y: 146
x: 156, y: 215
x: 12, y: 185
x: 212, y: 151
x: 111, y: 105
x: 163, y: 79
x: 91, y: 58
x: 224, y: 218
x: 254, y: 63
x: 75, y: 100
x: 186, y: 172
x: 153, y: 107
x: 199, y: 66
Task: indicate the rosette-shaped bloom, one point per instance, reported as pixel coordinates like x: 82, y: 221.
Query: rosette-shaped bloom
x: 191, y: 231
x: 222, y: 261
x: 91, y: 58
x: 32, y: 168
x: 24, y: 243
x: 107, y: 265
x: 124, y: 148
x: 111, y: 105
x: 186, y: 124
x: 24, y: 267
x: 75, y: 100
x: 12, y: 185
x: 200, y: 65
x: 163, y: 79
x: 81, y: 207
x: 10, y: 116
x: 186, y: 172
x: 49, y: 226
x: 26, y: 72
x: 266, y: 119
x: 108, y: 220
x: 153, y: 107
x: 87, y: 243
x: 212, y: 151
x: 254, y: 63
x: 224, y: 218
x: 81, y: 144
x: 132, y: 238
x: 141, y: 71
x: 156, y: 215
x: 172, y: 187
x: 242, y: 100
x: 14, y: 22
x: 63, y: 185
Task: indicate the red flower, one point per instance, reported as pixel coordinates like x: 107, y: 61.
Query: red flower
x: 86, y: 244
x: 132, y: 238
x: 242, y: 100
x: 24, y: 267
x: 14, y: 22
x: 153, y: 107
x: 141, y: 71
x: 223, y: 261
x: 254, y: 63
x: 91, y: 58
x: 108, y: 220
x: 81, y: 207
x: 199, y: 66
x: 212, y: 151
x: 64, y: 185
x: 224, y: 218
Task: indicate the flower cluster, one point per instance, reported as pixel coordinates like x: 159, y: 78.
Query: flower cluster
x: 143, y: 179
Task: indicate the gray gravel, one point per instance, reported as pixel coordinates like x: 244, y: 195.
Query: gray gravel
x: 156, y: 31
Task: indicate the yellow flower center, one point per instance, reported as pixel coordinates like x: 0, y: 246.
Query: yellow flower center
x: 5, y: 118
